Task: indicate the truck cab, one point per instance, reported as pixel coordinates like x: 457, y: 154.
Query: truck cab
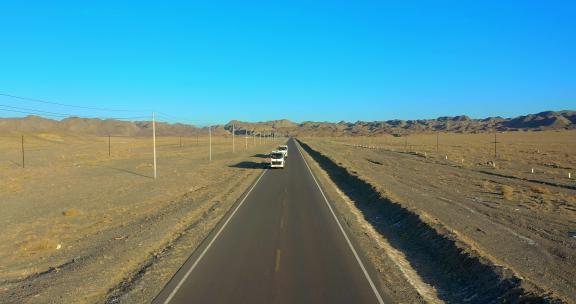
x: 277, y: 159
x: 283, y: 149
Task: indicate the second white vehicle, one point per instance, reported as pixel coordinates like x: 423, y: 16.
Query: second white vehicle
x: 277, y: 159
x: 283, y: 149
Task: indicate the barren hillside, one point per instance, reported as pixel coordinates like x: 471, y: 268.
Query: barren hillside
x: 549, y: 120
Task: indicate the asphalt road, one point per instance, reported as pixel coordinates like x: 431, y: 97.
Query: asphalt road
x: 280, y: 244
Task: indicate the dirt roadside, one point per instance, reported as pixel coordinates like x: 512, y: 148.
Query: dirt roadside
x: 514, y: 252
x: 82, y: 227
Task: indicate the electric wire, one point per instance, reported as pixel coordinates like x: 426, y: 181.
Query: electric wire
x: 55, y: 114
x: 160, y: 115
x: 69, y: 105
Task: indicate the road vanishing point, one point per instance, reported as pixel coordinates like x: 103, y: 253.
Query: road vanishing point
x: 281, y: 243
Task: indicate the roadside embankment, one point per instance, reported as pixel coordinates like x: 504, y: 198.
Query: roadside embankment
x: 450, y: 262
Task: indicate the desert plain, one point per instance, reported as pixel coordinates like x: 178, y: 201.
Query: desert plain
x: 513, y: 212
x: 440, y: 214
x: 84, y: 221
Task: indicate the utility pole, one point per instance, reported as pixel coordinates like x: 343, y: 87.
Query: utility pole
x: 23, y: 166
x: 210, y: 140
x: 154, y: 140
x: 495, y: 142
x: 233, y: 145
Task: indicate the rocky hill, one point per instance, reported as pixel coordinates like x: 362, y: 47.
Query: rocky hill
x: 94, y: 126
x: 561, y: 120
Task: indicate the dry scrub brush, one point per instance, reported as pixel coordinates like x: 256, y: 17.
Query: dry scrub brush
x: 507, y: 192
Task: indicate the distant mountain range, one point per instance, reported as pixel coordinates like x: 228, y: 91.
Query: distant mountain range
x: 550, y: 120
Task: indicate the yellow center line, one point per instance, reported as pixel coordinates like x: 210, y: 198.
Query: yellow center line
x: 277, y: 267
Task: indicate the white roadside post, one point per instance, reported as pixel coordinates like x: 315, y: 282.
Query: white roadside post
x: 154, y: 140
x: 210, y: 140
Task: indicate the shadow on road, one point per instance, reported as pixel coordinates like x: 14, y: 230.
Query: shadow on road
x: 249, y: 165
x: 458, y: 276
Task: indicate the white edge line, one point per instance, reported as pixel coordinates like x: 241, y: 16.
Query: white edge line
x: 374, y: 289
x: 175, y: 290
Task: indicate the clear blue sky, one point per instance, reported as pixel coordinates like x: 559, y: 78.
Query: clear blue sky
x: 301, y: 60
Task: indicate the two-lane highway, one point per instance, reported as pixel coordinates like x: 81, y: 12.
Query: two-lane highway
x: 281, y: 244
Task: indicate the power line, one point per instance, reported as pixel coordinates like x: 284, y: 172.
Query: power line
x: 15, y: 111
x: 37, y: 111
x: 63, y: 115
x: 55, y: 114
x: 69, y: 105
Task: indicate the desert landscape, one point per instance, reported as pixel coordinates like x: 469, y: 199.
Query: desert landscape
x: 84, y: 226
x: 514, y: 211
x: 301, y: 152
x: 84, y: 220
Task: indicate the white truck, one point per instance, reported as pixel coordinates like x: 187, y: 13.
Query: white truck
x: 277, y: 159
x: 283, y: 149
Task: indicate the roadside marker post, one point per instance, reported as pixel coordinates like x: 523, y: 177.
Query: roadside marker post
x: 233, y: 144
x: 23, y: 166
x: 210, y: 141
x: 154, y: 140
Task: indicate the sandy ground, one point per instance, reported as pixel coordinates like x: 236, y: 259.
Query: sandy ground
x: 80, y: 226
x: 520, y: 222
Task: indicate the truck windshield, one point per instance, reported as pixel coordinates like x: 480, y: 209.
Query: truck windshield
x: 283, y: 148
x: 277, y: 155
